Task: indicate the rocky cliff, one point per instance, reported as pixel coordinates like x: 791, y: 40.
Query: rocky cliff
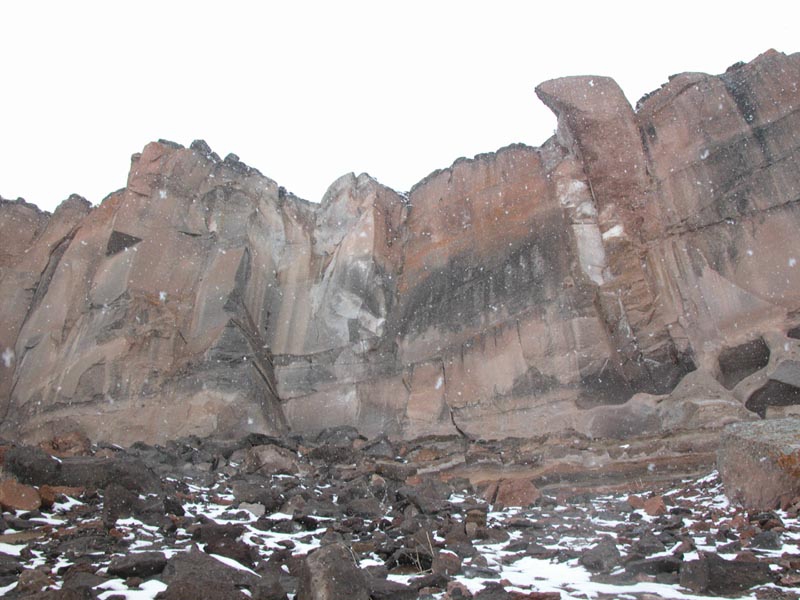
x: 636, y: 273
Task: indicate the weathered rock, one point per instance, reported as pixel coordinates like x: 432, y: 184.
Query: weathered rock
x: 768, y: 540
x: 645, y: 545
x: 235, y: 549
x: 446, y: 562
x: 32, y: 245
x: 17, y: 496
x: 270, y: 460
x: 329, y: 574
x: 386, y: 589
x: 714, y: 575
x: 79, y: 580
x: 33, y: 580
x: 507, y: 295
x: 602, y: 557
x: 34, y: 466
x: 492, y: 591
x: 187, y: 588
x: 74, y: 443
x: 211, y: 532
x: 256, y: 509
x: 51, y: 494
x: 200, y: 568
x: 429, y: 496
x: 655, y: 506
x: 741, y: 361
x: 118, y: 503
x: 759, y: 463
x: 653, y: 566
x: 9, y: 565
x: 140, y: 564
x: 512, y: 492
x: 269, y: 588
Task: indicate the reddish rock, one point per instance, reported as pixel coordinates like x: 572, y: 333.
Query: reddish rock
x: 34, y: 580
x: 525, y: 292
x: 655, y: 506
x: 759, y: 463
x: 50, y: 494
x: 17, y: 496
x: 74, y: 443
x: 270, y: 460
x: 446, y: 563
x: 457, y: 590
x: 512, y: 492
x: 636, y: 502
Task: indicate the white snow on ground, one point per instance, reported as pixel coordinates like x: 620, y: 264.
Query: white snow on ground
x: 582, y: 525
x: 12, y: 550
x: 117, y: 588
x: 234, y: 564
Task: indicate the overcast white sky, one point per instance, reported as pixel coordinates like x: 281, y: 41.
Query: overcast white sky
x: 308, y: 91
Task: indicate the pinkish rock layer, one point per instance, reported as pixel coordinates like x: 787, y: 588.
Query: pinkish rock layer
x: 527, y: 291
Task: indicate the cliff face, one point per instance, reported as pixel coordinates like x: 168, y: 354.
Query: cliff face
x: 526, y: 291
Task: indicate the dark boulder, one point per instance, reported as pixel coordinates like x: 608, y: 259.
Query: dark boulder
x: 36, y: 467
x: 329, y: 573
x: 601, y: 558
x: 140, y: 564
x: 711, y: 574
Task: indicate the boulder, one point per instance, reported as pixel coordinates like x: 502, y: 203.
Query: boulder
x: 655, y: 506
x: 329, y: 573
x: 74, y: 443
x: 187, y: 588
x: 512, y: 492
x: 200, y: 569
x: 386, y: 589
x: 51, y: 494
x: 711, y: 574
x: 602, y: 557
x: 17, y: 496
x: 36, y: 467
x: 122, y: 503
x: 759, y: 462
x: 269, y: 459
x: 140, y: 564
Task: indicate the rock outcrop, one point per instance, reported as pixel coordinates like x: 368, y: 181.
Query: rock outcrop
x: 532, y: 290
x: 759, y: 463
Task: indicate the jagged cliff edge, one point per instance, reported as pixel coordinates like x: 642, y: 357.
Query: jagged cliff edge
x: 636, y: 273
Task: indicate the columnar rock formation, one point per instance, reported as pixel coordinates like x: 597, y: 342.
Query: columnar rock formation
x: 525, y: 291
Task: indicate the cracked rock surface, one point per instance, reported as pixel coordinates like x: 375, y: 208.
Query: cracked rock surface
x: 570, y: 286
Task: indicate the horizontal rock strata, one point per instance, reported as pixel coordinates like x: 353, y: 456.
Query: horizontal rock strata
x: 533, y: 290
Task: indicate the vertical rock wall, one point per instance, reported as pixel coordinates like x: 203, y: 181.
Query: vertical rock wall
x: 525, y: 291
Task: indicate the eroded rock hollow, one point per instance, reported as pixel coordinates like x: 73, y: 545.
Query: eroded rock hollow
x: 636, y: 273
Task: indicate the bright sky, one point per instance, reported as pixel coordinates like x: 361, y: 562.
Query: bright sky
x: 308, y: 91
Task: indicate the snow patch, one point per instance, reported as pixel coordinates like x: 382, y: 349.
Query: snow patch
x: 117, y: 588
x: 615, y: 231
x: 8, y: 357
x: 10, y: 549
